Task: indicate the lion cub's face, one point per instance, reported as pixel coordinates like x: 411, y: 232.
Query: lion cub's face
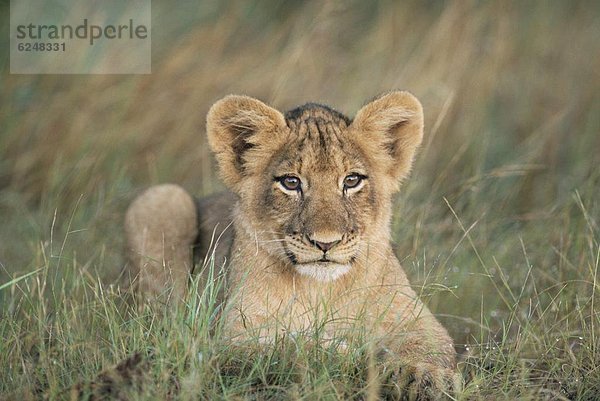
x: 315, y: 194
x: 314, y: 186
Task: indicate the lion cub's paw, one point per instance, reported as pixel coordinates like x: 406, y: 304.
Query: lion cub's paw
x: 424, y: 382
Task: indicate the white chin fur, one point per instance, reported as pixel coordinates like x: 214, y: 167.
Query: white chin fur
x: 320, y: 272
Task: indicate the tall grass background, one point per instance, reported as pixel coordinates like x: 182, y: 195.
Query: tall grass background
x: 497, y: 227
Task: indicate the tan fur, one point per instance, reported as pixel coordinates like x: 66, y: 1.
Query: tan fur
x: 279, y: 280
x: 160, y: 226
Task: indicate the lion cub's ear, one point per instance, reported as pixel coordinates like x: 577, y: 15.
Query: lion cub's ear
x: 242, y: 132
x: 394, y: 123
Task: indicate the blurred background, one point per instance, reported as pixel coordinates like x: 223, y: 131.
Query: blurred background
x: 500, y: 215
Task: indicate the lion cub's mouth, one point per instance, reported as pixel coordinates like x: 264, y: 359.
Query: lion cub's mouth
x: 325, y: 259
x: 324, y: 268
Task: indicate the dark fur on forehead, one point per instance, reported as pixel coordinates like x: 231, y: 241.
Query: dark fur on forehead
x: 315, y: 110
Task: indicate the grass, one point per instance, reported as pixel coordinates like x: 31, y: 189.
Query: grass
x: 497, y: 227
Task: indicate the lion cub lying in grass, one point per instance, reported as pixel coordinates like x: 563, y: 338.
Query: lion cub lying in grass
x: 311, y: 208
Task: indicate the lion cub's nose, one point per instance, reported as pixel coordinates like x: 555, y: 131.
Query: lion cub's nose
x: 324, y: 246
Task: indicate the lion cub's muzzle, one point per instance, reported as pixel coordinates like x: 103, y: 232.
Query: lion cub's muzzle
x: 321, y: 248
x: 322, y: 257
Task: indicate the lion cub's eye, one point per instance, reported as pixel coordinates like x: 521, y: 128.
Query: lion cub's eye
x: 352, y: 181
x: 290, y: 183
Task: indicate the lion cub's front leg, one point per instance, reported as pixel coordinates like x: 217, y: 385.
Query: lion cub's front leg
x: 420, y: 362
x: 161, y: 229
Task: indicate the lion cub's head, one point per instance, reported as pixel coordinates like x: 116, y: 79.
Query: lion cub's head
x: 314, y: 186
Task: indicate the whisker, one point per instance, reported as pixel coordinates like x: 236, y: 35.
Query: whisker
x: 270, y: 240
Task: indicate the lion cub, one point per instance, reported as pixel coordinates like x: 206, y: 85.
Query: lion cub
x: 311, y: 204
